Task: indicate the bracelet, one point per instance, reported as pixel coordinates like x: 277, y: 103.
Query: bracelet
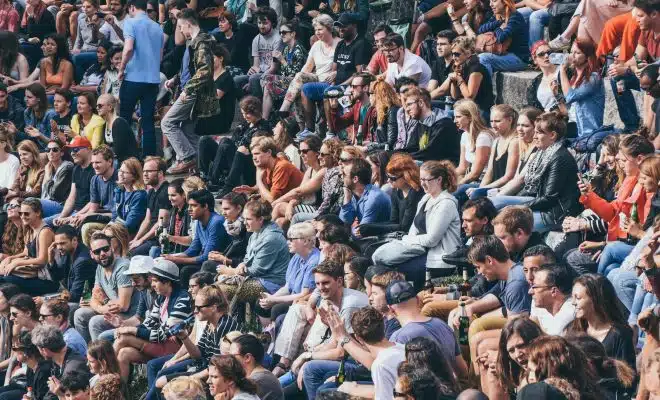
x: 454, y: 20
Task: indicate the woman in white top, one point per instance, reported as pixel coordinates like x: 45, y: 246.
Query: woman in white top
x: 476, y: 142
x: 9, y: 163
x: 319, y: 61
x: 541, y: 93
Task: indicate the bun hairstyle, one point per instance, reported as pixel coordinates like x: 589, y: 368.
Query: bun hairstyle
x: 232, y: 370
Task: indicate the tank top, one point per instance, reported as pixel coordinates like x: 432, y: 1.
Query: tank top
x: 54, y: 79
x: 499, y: 164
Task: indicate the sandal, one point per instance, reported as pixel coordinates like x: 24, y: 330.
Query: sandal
x: 280, y: 369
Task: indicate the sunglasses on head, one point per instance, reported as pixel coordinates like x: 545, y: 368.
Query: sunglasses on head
x: 100, y: 250
x: 12, y: 206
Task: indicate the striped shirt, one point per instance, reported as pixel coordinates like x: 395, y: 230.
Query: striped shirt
x: 209, y: 343
x: 165, y: 313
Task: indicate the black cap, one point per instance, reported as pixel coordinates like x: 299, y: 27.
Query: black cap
x: 374, y: 270
x: 540, y: 391
x: 345, y: 19
x: 398, y: 292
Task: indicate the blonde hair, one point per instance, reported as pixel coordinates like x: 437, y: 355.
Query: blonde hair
x: 265, y: 144
x: 192, y: 183
x: 135, y: 168
x: 469, y: 108
x: 508, y: 112
x: 464, y: 43
x: 184, y: 388
x: 34, y: 168
x: 120, y: 233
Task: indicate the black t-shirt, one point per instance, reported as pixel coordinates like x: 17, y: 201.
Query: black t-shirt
x: 440, y: 70
x: 348, y: 56
x: 484, y: 98
x: 228, y: 100
x: 63, y: 122
x: 157, y: 200
x: 82, y: 178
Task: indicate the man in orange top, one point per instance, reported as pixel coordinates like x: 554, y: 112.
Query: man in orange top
x: 276, y: 176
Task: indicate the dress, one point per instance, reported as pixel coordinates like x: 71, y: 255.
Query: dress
x: 277, y: 85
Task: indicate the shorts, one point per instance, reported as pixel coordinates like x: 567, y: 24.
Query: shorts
x: 154, y: 350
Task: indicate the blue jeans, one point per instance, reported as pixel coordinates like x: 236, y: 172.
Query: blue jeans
x: 460, y: 194
x: 130, y: 93
x: 625, y: 102
x: 624, y: 283
x: 641, y: 302
x: 154, y: 392
x: 50, y: 207
x: 317, y: 371
x: 82, y: 61
x: 154, y: 252
x: 537, y: 21
x: 508, y: 62
x: 314, y: 90
x: 613, y: 255
x: 502, y: 201
x: 108, y: 336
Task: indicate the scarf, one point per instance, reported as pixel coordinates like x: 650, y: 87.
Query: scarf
x: 234, y: 228
x: 538, y: 166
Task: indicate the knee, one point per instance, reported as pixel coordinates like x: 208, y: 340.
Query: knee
x: 161, y: 382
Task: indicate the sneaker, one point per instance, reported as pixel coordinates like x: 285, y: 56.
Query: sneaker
x: 458, y: 258
x: 328, y: 136
x: 183, y: 167
x: 559, y: 43
x: 303, y: 135
x: 168, y: 154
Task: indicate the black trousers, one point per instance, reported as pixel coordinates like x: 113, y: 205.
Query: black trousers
x: 214, y: 160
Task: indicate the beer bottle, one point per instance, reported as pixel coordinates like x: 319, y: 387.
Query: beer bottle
x: 87, y: 292
x: 634, y: 219
x: 465, y: 287
x: 463, y: 325
x: 341, y: 373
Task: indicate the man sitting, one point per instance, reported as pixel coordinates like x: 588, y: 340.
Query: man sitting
x: 404, y: 63
x: 70, y: 262
x: 356, y: 116
x: 276, y: 176
x: 250, y: 352
x: 210, y: 235
x: 364, y: 203
x: 513, y: 226
x: 552, y: 306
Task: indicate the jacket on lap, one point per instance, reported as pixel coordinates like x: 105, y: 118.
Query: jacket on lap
x: 435, y: 138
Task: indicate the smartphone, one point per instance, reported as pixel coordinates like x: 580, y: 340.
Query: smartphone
x: 558, y: 58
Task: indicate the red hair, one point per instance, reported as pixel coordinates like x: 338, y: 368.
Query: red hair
x: 536, y: 46
x: 588, y: 48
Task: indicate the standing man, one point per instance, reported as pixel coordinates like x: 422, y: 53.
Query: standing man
x: 197, y: 98
x: 140, y: 70
x: 158, y: 206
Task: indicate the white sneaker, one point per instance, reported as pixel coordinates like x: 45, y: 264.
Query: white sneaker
x: 559, y: 43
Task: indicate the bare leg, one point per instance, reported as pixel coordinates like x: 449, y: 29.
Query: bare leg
x: 572, y: 28
x: 61, y: 21
x: 267, y: 104
x: 308, y: 110
x: 126, y: 357
x: 286, y: 105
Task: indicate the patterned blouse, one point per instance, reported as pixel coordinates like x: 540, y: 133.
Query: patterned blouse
x: 332, y: 189
x: 295, y: 60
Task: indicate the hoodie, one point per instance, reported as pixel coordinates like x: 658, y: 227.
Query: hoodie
x: 435, y: 138
x: 267, y: 255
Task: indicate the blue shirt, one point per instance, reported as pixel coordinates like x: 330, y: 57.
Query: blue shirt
x: 148, y: 39
x: 130, y: 208
x: 185, y: 71
x: 588, y: 101
x: 102, y: 192
x: 43, y: 124
x: 299, y: 273
x: 208, y: 238
x: 75, y: 341
x: 516, y: 29
x: 374, y: 206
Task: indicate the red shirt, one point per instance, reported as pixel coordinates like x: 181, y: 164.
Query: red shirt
x: 651, y: 42
x: 378, y: 63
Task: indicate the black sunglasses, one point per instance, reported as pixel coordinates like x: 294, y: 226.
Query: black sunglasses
x: 198, y: 308
x: 322, y: 154
x: 304, y: 151
x: 23, y: 213
x: 456, y: 54
x: 346, y: 160
x: 100, y: 250
x: 542, y: 53
x: 282, y: 33
x: 393, y: 178
x: 53, y: 150
x: 226, y: 339
x: 398, y: 394
x: 43, y: 316
x: 74, y: 150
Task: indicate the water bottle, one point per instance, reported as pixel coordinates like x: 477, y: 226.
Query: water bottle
x: 174, y: 329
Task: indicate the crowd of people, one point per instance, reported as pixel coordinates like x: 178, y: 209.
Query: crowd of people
x: 369, y: 224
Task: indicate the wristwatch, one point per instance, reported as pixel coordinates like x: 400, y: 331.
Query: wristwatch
x: 344, y: 341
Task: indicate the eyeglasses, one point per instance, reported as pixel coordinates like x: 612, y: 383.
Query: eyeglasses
x: 290, y: 238
x: 456, y: 54
x: 74, y: 150
x: 304, y: 151
x: 398, y: 394
x: 543, y: 53
x: 428, y: 179
x: 23, y: 213
x: 345, y: 160
x: 534, y: 287
x: 100, y: 250
x: 53, y: 149
x: 388, y: 49
x: 199, y: 308
x: 322, y: 154
x: 43, y: 316
x: 151, y: 11
x: 282, y: 33
x: 393, y: 178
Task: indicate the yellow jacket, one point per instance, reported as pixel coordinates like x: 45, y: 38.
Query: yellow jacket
x: 94, y: 131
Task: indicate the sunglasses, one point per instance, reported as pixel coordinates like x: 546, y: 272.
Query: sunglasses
x: 44, y: 316
x: 23, y: 213
x: 18, y: 349
x: 226, y: 339
x: 53, y: 150
x: 398, y: 394
x: 74, y: 150
x: 324, y: 154
x: 542, y: 53
x: 393, y: 178
x: 304, y: 151
x: 456, y: 54
x: 345, y: 160
x: 100, y: 250
x: 282, y: 33
x: 13, y: 314
x: 199, y: 308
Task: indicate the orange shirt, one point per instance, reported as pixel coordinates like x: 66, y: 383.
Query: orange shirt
x: 282, y: 178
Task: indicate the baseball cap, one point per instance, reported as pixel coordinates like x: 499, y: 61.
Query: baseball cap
x: 374, y: 270
x: 398, y: 292
x: 165, y: 269
x: 140, y: 265
x: 345, y: 19
x: 79, y: 141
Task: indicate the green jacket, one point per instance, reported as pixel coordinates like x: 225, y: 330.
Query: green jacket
x: 201, y: 83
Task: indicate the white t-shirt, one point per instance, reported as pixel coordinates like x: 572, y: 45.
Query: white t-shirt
x: 263, y: 46
x: 484, y: 139
x: 8, y: 170
x: 109, y: 32
x: 322, y: 58
x: 544, y: 93
x: 554, y: 324
x: 412, y: 65
x: 384, y: 370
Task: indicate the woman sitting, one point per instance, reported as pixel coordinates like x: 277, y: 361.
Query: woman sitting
x: 307, y: 196
x: 9, y: 163
x: 510, y: 31
x: 87, y: 122
x: 541, y: 93
x: 378, y: 160
x: 58, y: 175
x: 424, y: 353
x: 504, y: 159
x: 299, y: 276
x: 435, y: 230
x: 403, y: 176
x: 598, y: 315
x: 555, y: 365
x: 233, y: 205
x: 117, y: 132
x: 332, y: 192
x: 550, y: 189
x: 118, y: 238
x: 265, y: 263
x: 30, y: 174
x: 14, y: 67
x: 110, y: 83
x: 179, y: 228
x: 354, y: 270
x: 284, y: 132
x: 55, y: 312
x: 584, y: 92
x: 28, y: 269
x: 476, y: 143
x: 469, y: 79
x: 37, y: 116
x: 56, y: 68
x: 227, y: 377
x: 385, y: 104
x: 289, y: 61
x: 94, y: 75
x: 131, y: 196
x: 102, y: 360
x: 7, y: 291
x: 13, y: 237
x: 224, y: 85
x: 37, y: 370
x: 477, y: 12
